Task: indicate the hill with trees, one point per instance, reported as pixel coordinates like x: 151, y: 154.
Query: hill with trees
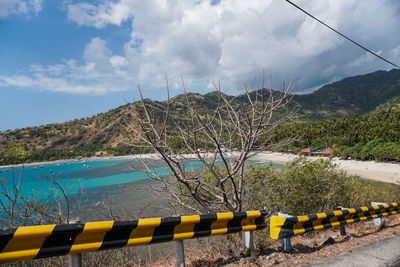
x: 353, y: 95
x: 106, y: 133
x: 375, y: 135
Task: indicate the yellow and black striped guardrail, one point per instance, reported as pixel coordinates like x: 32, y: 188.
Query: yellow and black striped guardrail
x: 34, y: 242
x: 281, y: 227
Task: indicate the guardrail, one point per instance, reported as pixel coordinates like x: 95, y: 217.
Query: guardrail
x: 34, y: 242
x: 42, y: 241
x: 285, y: 226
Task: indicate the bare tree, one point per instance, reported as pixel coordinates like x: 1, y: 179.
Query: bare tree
x: 222, y: 139
x: 52, y: 180
x: 17, y: 209
x: 10, y: 196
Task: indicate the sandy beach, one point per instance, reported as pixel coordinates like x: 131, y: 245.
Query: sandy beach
x: 379, y: 171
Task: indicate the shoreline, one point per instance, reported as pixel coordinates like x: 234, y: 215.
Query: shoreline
x: 58, y: 161
x: 372, y: 170
x: 378, y: 171
x: 154, y: 156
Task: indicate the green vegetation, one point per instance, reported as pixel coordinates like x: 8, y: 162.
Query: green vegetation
x: 306, y: 187
x: 106, y: 134
x: 353, y: 95
x: 375, y: 135
x: 394, y: 102
x: 302, y: 187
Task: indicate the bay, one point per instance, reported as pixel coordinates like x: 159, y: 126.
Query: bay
x: 80, y: 175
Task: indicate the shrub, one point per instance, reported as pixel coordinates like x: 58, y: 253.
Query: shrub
x: 311, y: 186
x: 301, y: 187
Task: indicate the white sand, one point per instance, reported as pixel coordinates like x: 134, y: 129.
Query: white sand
x: 379, y: 171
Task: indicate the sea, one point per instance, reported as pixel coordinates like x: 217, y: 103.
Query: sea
x: 78, y: 176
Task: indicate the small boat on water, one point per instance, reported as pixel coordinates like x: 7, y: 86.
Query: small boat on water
x: 58, y: 165
x: 34, y: 168
x: 84, y: 165
x: 41, y: 166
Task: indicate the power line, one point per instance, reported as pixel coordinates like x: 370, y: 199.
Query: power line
x: 354, y: 42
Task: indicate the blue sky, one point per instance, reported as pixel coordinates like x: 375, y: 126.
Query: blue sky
x: 61, y: 60
x: 49, y: 38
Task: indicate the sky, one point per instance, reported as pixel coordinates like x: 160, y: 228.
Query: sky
x: 61, y: 60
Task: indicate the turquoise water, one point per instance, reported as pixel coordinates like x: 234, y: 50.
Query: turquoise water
x: 75, y: 176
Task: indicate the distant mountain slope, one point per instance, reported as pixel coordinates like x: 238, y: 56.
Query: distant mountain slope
x: 358, y: 94
x: 105, y: 134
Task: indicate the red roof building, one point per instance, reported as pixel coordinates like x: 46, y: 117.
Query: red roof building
x: 326, y: 151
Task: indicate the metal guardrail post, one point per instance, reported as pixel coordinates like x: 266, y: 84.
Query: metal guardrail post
x: 286, y: 245
x: 343, y: 227
x: 248, y: 241
x: 377, y: 221
x: 75, y: 260
x: 343, y: 230
x: 180, y: 253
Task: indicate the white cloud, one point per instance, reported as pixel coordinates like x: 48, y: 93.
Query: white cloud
x: 99, y: 16
x: 236, y: 39
x: 363, y: 60
x: 118, y: 61
x: 233, y: 40
x: 395, y: 52
x: 100, y: 74
x: 97, y: 53
x: 11, y: 7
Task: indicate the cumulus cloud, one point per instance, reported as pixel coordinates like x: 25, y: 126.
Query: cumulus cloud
x: 99, y: 16
x: 229, y: 40
x: 97, y: 53
x: 235, y: 39
x: 101, y: 73
x: 10, y: 7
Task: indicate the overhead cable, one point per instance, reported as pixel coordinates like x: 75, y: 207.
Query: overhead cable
x: 344, y: 36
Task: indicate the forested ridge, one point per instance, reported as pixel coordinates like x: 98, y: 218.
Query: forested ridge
x: 354, y: 95
x: 106, y: 134
x: 375, y: 135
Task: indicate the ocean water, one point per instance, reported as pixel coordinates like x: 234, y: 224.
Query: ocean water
x: 78, y: 176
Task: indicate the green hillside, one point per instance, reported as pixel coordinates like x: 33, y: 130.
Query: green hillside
x: 375, y: 135
x: 358, y: 94
x: 394, y: 102
x: 105, y: 133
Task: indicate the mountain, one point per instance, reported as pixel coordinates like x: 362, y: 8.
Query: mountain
x: 105, y: 134
x: 358, y: 94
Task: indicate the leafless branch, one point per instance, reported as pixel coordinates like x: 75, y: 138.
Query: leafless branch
x: 221, y: 139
